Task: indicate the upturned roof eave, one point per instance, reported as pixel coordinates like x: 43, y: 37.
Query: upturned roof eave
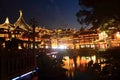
x: 21, y: 23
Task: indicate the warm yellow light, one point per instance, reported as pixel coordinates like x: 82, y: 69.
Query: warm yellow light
x: 118, y: 34
x: 7, y: 20
x: 13, y: 36
x: 62, y: 47
x: 93, y: 58
x: 103, y: 35
x: 59, y: 30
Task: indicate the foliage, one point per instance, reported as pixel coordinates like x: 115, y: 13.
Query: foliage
x: 99, y: 12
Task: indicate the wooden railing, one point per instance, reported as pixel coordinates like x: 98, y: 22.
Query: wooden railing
x: 16, y: 62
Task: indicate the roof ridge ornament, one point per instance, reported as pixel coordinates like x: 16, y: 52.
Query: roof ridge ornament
x: 21, y: 13
x: 7, y: 20
x: 21, y: 22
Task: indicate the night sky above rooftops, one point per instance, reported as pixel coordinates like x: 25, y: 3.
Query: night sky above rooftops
x: 51, y: 14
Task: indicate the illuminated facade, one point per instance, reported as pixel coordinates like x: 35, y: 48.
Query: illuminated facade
x: 45, y: 38
x: 19, y: 40
x: 96, y: 39
x: 16, y: 46
x: 87, y: 39
x: 16, y: 42
x: 63, y: 38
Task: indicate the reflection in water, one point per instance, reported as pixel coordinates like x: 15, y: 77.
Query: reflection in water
x: 78, y: 64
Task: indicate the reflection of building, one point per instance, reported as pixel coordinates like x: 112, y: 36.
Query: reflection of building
x: 16, y: 44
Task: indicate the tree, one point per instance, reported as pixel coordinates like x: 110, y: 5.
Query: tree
x: 99, y: 12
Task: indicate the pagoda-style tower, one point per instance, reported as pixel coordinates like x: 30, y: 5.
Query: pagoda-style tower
x: 5, y: 29
x: 15, y: 58
x: 6, y: 24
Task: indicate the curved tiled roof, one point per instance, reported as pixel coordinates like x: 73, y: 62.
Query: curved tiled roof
x: 6, y: 24
x: 88, y: 32
x: 21, y: 23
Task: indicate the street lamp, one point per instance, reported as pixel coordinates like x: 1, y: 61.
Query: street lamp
x: 33, y: 23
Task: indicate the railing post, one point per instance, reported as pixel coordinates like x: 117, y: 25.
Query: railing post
x: 3, y: 66
x: 34, y: 24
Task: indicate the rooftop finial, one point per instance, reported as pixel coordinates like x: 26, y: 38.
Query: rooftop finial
x: 20, y: 13
x: 7, y: 20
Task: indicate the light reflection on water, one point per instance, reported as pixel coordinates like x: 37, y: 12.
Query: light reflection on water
x: 79, y: 63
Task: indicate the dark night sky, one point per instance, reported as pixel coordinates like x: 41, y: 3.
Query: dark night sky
x: 49, y: 13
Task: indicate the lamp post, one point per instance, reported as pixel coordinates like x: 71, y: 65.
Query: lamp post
x: 33, y: 23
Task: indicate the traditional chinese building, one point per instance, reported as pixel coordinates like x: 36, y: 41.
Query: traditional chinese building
x: 16, y: 58
x: 19, y: 43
